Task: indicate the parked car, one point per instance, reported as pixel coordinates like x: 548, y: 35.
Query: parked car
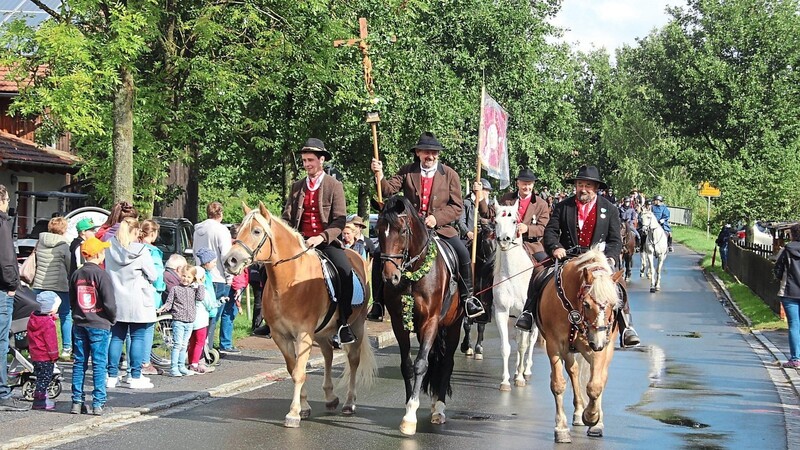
x: 761, y: 234
x: 175, y: 236
x: 26, y: 244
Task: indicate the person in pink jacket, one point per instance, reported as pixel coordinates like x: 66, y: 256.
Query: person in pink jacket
x: 43, y: 346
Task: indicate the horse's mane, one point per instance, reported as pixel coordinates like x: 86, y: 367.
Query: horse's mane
x: 391, y: 215
x: 603, y: 287
x: 275, y: 220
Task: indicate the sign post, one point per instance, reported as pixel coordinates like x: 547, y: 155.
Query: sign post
x: 708, y: 191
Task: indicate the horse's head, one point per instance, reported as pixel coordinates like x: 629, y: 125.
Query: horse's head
x: 648, y: 220
x: 598, y: 297
x: 505, y: 220
x: 402, y: 236
x: 487, y: 244
x: 253, y: 242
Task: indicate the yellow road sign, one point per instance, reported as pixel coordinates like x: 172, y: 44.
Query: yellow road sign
x: 706, y: 190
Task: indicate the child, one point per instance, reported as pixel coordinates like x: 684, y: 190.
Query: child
x: 94, y: 308
x: 43, y: 346
x: 205, y: 309
x: 181, y: 304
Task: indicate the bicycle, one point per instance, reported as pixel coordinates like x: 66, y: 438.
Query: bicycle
x: 162, y: 345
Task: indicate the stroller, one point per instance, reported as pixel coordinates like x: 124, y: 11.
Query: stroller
x: 20, y: 370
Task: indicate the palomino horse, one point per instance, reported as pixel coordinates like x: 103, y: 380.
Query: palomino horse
x: 295, y: 303
x: 576, y: 314
x: 628, y: 248
x: 484, y: 274
x: 415, y: 294
x: 510, y: 293
x: 655, y: 248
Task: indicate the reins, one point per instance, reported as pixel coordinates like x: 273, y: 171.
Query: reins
x: 251, y: 253
x: 538, y: 264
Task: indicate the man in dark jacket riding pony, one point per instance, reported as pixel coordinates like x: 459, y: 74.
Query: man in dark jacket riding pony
x: 435, y: 191
x: 578, y: 223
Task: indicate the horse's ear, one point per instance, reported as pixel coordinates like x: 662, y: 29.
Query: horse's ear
x: 618, y: 275
x: 399, y: 207
x: 496, y: 204
x: 263, y: 209
x: 588, y: 276
x: 245, y: 208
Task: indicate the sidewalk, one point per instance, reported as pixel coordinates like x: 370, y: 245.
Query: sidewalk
x: 259, y: 362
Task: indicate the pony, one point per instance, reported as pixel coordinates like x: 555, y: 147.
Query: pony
x: 655, y: 248
x: 417, y: 283
x: 484, y: 274
x: 576, y: 313
x: 295, y: 303
x: 628, y: 248
x: 510, y: 293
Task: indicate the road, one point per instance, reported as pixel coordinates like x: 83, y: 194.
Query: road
x: 696, y: 383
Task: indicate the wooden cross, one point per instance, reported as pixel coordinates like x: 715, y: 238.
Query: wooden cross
x: 362, y: 44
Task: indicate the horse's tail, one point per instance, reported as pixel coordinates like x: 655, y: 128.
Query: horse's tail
x: 437, y: 366
x: 367, y: 367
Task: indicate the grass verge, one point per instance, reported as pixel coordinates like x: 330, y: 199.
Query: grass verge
x: 749, y: 303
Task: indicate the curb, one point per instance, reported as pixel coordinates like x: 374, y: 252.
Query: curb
x: 379, y: 341
x: 726, y: 299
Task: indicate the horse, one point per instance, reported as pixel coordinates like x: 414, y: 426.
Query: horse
x: 628, y: 248
x: 295, y: 303
x: 484, y: 274
x: 655, y: 248
x: 418, y: 298
x: 510, y: 293
x: 576, y: 313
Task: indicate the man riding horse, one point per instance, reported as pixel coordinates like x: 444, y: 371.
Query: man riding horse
x: 316, y: 208
x: 578, y: 223
x: 532, y: 214
x: 435, y: 191
x: 628, y: 215
x: 661, y: 212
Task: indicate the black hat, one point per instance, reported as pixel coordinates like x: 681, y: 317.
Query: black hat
x: 588, y: 173
x: 486, y: 185
x: 314, y: 145
x: 526, y: 175
x: 427, y: 141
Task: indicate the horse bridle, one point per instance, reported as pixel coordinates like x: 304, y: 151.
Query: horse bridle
x: 577, y: 318
x: 251, y: 253
x: 405, y: 262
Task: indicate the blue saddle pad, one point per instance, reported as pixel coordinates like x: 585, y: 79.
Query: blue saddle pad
x: 328, y: 272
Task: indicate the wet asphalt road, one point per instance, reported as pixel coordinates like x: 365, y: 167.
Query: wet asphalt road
x: 696, y: 383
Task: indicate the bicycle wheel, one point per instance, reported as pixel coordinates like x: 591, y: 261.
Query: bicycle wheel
x: 162, y: 341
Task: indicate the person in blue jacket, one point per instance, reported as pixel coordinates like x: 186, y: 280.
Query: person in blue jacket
x: 661, y: 211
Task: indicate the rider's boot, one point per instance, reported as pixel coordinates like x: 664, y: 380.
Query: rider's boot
x: 669, y: 242
x: 629, y: 336
x: 472, y: 305
x: 345, y: 334
x: 638, y: 244
x: 525, y: 320
x: 376, y: 313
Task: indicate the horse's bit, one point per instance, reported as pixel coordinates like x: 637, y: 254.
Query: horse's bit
x: 405, y: 262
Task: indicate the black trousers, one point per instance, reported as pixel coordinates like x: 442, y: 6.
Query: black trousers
x: 342, y: 264
x: 464, y: 262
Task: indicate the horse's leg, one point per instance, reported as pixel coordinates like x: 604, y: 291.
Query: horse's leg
x: 574, y: 372
x: 661, y: 259
x: 557, y: 386
x: 331, y: 400
x: 501, y: 318
x: 466, y: 348
x: 595, y: 389
x: 427, y: 334
x: 479, y: 341
x: 300, y: 404
x: 523, y: 341
x: 643, y: 259
x: 440, y: 397
x: 528, y: 370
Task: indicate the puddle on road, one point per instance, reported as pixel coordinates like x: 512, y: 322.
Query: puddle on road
x: 673, y: 417
x: 480, y: 416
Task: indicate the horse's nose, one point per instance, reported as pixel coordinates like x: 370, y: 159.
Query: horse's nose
x: 395, y: 278
x: 595, y: 347
x: 232, y: 261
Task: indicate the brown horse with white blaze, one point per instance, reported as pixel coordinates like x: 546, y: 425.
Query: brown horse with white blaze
x: 297, y: 307
x: 576, y: 314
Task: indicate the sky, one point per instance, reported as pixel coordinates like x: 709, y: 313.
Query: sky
x: 610, y: 23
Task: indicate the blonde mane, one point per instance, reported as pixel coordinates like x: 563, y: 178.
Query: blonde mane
x: 603, y: 289
x: 256, y: 214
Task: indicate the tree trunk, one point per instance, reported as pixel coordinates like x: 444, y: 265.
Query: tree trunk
x: 122, y: 139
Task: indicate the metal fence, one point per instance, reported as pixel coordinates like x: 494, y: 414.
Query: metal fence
x: 753, y: 267
x: 680, y: 216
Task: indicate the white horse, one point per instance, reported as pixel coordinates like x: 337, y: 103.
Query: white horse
x: 509, y: 296
x: 655, y: 247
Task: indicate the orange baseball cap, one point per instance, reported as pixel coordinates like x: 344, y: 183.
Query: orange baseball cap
x: 93, y: 246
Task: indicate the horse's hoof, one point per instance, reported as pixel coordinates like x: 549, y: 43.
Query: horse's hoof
x: 291, y: 422
x: 333, y: 404
x: 479, y: 356
x: 658, y: 288
x: 519, y: 383
x: 305, y: 413
x: 590, y: 420
x: 349, y: 410
x: 470, y: 352
x: 528, y: 376
x: 577, y: 420
x: 652, y: 290
x: 563, y: 437
x: 464, y: 347
x: 408, y: 428
x: 438, y: 419
x: 505, y: 387
x: 595, y: 431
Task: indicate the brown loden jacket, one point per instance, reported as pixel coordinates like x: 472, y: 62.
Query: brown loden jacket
x: 332, y: 207
x: 536, y: 217
x: 445, y: 203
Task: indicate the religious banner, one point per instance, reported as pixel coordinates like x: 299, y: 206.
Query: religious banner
x: 493, y: 148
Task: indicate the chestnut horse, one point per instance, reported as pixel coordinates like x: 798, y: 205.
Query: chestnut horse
x: 295, y: 304
x: 628, y: 248
x: 576, y: 314
x: 411, y: 270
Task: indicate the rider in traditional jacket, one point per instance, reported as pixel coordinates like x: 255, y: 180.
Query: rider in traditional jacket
x: 661, y: 212
x: 532, y: 214
x: 628, y: 215
x: 435, y: 191
x: 316, y: 208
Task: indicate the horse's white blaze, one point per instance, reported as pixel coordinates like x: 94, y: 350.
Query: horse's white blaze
x: 511, y: 259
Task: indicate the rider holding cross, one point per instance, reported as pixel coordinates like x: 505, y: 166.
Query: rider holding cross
x: 435, y: 191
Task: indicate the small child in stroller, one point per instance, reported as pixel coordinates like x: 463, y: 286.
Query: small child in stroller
x: 43, y: 346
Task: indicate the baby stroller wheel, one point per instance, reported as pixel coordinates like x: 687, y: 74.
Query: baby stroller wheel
x: 54, y: 388
x: 211, y: 356
x: 162, y: 341
x: 27, y: 389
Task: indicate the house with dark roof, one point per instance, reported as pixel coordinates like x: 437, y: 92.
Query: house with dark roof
x: 26, y: 166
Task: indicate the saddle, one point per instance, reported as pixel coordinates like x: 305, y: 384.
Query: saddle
x: 535, y: 289
x: 451, y: 262
x: 333, y: 283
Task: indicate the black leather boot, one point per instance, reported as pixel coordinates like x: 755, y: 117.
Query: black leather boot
x: 345, y: 335
x: 525, y: 320
x: 669, y: 242
x: 629, y: 336
x: 472, y: 305
x: 376, y: 313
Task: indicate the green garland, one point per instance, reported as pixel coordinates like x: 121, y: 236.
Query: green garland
x: 408, y: 300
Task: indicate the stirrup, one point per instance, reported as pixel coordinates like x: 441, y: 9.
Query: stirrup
x: 473, y: 301
x: 630, y: 338
x: 345, y: 335
x: 524, y: 321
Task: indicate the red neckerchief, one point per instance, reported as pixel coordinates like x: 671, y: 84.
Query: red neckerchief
x: 584, y: 209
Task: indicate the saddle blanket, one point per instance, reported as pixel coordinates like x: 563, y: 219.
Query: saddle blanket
x: 358, y: 290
